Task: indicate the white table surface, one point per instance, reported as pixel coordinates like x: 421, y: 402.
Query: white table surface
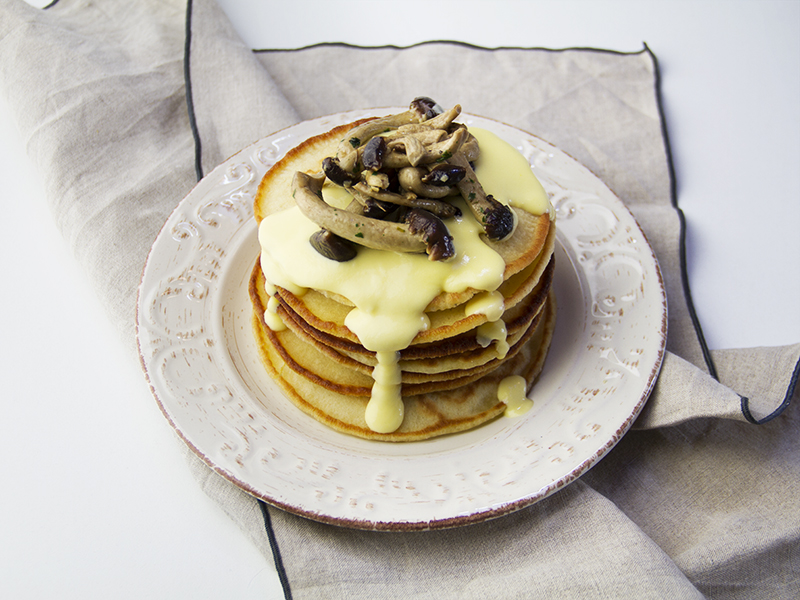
x: 96, y: 500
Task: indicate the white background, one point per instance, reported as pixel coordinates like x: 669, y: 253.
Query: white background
x: 96, y: 500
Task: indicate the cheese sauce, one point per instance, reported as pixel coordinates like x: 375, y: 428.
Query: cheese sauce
x: 390, y: 290
x: 511, y: 392
x: 491, y: 304
x: 385, y: 409
x: 271, y: 316
x: 494, y: 331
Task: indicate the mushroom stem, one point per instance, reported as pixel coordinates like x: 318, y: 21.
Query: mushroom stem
x: 444, y: 210
x: 424, y: 134
x: 421, y: 109
x: 496, y: 218
x: 347, y: 152
x: 443, y: 120
x: 423, y: 234
x: 412, y: 179
x: 437, y: 152
x: 470, y: 148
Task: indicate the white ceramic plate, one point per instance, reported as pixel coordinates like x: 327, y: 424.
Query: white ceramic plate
x: 197, y: 350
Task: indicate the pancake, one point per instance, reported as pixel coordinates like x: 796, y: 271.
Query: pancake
x: 350, y: 373
x: 422, y: 357
x: 381, y: 327
x: 427, y: 415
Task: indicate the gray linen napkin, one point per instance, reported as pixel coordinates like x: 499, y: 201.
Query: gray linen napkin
x: 124, y: 104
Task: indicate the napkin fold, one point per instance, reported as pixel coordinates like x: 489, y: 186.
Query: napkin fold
x: 124, y: 104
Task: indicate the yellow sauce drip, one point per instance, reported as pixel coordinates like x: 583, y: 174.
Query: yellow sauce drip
x: 511, y: 392
x: 385, y: 410
x: 390, y: 290
x: 494, y: 331
x: 491, y: 304
x: 271, y: 316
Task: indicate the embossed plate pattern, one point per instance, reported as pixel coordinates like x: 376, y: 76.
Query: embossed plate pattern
x: 198, y: 354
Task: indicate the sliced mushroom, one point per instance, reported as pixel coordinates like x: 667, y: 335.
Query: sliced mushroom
x: 445, y: 210
x: 379, y: 181
x: 420, y: 109
x: 443, y: 120
x: 347, y: 151
x: 421, y: 234
x: 441, y: 151
x: 409, y: 147
x: 412, y: 179
x: 496, y: 218
x: 424, y: 134
x: 438, y: 152
x: 470, y: 148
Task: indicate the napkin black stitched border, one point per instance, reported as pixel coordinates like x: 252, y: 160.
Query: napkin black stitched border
x: 276, y: 552
x: 790, y: 388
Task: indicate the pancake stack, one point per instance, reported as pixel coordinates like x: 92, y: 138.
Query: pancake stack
x: 474, y: 338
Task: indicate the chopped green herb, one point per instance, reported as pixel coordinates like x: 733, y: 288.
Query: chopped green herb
x: 355, y: 142
x: 359, y: 235
x: 471, y: 196
x: 446, y: 155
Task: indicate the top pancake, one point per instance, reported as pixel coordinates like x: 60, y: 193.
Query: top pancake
x: 274, y: 194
